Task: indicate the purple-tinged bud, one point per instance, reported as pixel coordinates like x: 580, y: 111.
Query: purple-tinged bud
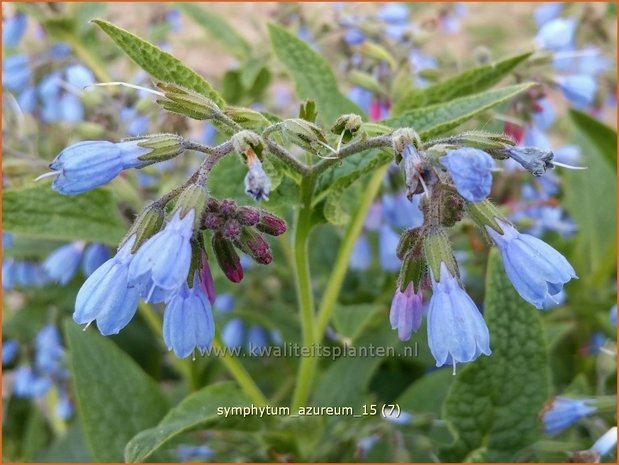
x: 255, y: 246
x: 248, y: 216
x: 406, y: 312
x: 271, y: 224
x: 213, y: 221
x: 413, y: 269
x: 227, y: 208
x: 206, y: 279
x: 227, y: 258
x: 212, y: 205
x: 232, y: 229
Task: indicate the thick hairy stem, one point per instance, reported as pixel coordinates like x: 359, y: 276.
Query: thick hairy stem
x: 352, y: 149
x: 282, y: 154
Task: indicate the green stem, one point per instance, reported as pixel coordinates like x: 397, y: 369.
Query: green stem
x: 307, y: 366
x: 338, y: 274
x: 239, y: 373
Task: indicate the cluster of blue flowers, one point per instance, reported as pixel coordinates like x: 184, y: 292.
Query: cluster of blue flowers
x: 457, y: 332
x: 34, y: 380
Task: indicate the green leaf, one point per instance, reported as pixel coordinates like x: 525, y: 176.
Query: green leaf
x: 493, y: 405
x: 38, y: 211
x: 428, y: 393
x: 198, y: 409
x: 429, y: 122
x: 589, y: 199
x: 601, y: 136
x: 217, y: 28
x: 68, y: 448
x: 115, y: 398
x: 159, y: 64
x: 469, y: 82
x: 350, y: 320
x: 312, y: 75
x: 434, y: 120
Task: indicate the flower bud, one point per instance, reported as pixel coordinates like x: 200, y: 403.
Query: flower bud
x: 377, y: 52
x: 147, y: 224
x: 194, y: 197
x: 212, y: 205
x: 417, y: 171
x: 271, y: 224
x: 304, y: 134
x: 437, y: 250
x: 163, y: 147
x: 535, y: 160
x: 231, y: 229
x: 347, y: 126
x: 227, y: 258
x: 206, y: 279
x: 186, y: 102
x: 246, y: 117
x: 248, y: 216
x: 255, y: 246
x: 227, y: 208
x: 212, y: 221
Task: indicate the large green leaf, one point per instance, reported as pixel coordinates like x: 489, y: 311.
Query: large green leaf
x: 590, y: 201
x: 217, y: 28
x: 312, y: 75
x: 603, y: 137
x: 429, y: 122
x: 469, y: 82
x: 493, y: 405
x: 202, y: 408
x: 115, y: 398
x: 37, y: 211
x: 159, y: 64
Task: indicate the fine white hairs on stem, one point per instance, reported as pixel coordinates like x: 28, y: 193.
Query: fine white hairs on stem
x: 126, y: 84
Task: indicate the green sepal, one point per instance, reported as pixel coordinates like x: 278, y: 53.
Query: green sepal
x: 437, y: 250
x: 194, y: 197
x: 163, y: 147
x: 186, y: 102
x: 485, y: 213
x: 147, y: 224
x: 347, y: 126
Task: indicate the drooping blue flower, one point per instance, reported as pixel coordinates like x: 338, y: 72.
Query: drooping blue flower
x: 161, y: 264
x: 471, y: 171
x: 188, y: 321
x: 7, y: 240
x: 457, y: 332
x: 186, y: 453
x: 79, y: 76
x: 401, y: 212
x: 16, y: 72
x: 49, y: 351
x: 62, y: 264
x: 406, y: 312
x: 563, y: 412
x: 535, y: 137
x: 22, y: 274
x: 579, y: 89
x: 546, y: 12
x: 27, y: 99
x: 361, y: 256
x: 95, y: 255
x: 13, y: 30
x: 233, y: 333
x: 9, y: 351
x: 257, y: 338
x: 224, y: 303
x: 556, y: 34
x: 388, y: 241
x: 106, y: 297
x: 393, y: 13
x: 89, y: 164
x: 543, y: 113
x: 26, y: 383
x: 136, y: 124
x: 420, y: 62
x: 535, y: 269
x: 606, y: 442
